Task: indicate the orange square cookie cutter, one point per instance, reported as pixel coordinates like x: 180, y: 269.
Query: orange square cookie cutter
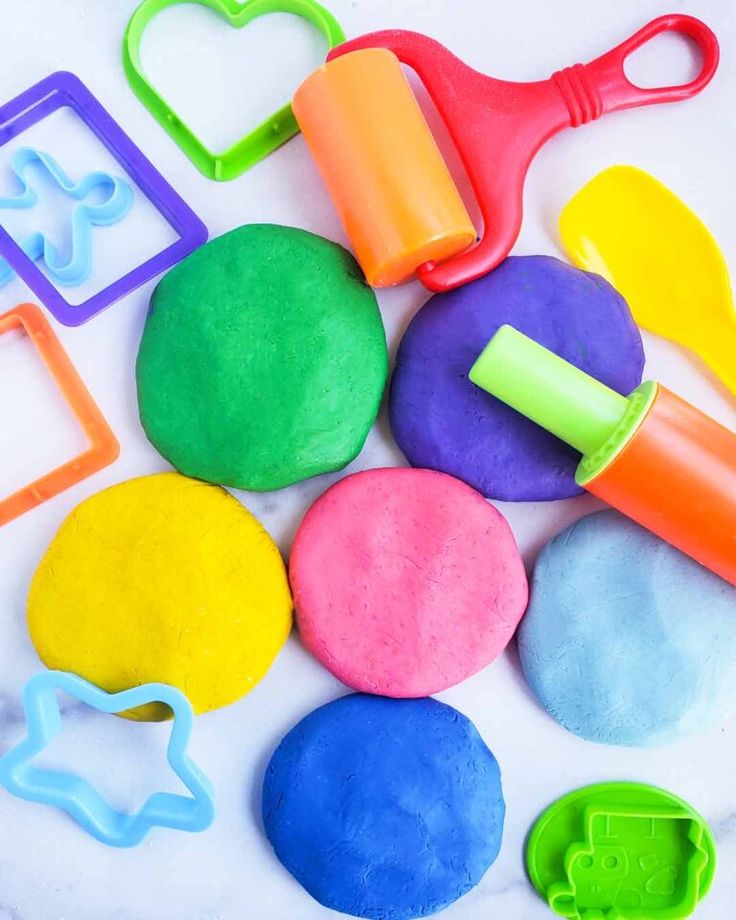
x: 104, y: 447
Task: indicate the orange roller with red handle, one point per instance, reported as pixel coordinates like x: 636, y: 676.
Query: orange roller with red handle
x: 401, y: 205
x: 393, y: 191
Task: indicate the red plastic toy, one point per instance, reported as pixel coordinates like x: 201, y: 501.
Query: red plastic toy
x: 498, y: 126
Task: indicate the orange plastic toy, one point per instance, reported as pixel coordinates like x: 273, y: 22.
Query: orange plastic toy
x: 104, y: 447
x: 403, y: 209
x: 653, y: 456
x: 677, y: 478
x: 386, y: 175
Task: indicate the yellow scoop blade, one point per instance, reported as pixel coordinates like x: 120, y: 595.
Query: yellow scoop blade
x: 632, y: 230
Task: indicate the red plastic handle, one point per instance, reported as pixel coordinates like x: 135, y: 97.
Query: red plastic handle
x: 498, y: 126
x: 618, y: 92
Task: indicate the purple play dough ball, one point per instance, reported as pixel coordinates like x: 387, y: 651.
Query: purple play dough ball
x: 444, y: 422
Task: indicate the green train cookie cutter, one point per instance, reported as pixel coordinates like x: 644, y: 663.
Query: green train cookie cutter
x: 269, y: 135
x: 621, y: 851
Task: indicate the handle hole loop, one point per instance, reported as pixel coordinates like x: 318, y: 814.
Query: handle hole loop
x: 670, y: 58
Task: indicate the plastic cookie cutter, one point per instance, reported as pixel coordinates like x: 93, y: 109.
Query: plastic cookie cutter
x: 621, y: 851
x: 630, y: 228
x: 116, y: 203
x: 269, y: 135
x: 104, y: 447
x: 77, y: 797
x: 387, y: 177
x: 64, y: 90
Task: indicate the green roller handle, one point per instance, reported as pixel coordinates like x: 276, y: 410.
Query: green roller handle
x: 575, y: 407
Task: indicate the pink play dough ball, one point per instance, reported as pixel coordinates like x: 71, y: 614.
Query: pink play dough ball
x: 406, y: 581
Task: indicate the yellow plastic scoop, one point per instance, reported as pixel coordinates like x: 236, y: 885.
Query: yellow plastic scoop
x: 630, y: 228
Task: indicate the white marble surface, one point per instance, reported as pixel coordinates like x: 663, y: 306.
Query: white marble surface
x: 49, y: 869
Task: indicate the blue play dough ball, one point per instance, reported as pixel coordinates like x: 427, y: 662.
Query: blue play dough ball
x: 442, y: 421
x: 626, y: 640
x: 383, y: 808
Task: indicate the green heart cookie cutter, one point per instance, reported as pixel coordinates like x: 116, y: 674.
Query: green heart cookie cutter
x: 269, y: 135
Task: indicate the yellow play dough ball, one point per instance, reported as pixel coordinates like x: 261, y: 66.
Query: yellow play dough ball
x: 162, y: 579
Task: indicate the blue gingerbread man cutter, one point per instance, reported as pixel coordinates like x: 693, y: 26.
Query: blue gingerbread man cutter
x: 65, y: 91
x: 115, y: 204
x: 80, y: 799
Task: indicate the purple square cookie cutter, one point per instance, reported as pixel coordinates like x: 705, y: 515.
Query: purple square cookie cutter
x: 62, y: 90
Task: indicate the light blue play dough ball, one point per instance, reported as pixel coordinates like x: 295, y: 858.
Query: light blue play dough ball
x: 626, y: 640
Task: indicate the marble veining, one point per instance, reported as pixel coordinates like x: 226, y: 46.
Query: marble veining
x: 49, y: 869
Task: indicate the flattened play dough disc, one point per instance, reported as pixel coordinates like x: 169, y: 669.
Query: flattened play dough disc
x: 405, y: 581
x: 623, y: 850
x: 162, y: 578
x: 627, y: 640
x: 387, y: 809
x: 263, y: 360
x: 443, y: 421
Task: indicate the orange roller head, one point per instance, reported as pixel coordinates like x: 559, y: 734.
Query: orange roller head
x: 677, y: 477
x: 392, y: 188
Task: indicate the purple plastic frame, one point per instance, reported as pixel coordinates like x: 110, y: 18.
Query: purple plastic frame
x: 64, y: 89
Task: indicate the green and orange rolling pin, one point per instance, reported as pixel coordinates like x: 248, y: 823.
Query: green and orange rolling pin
x: 651, y: 455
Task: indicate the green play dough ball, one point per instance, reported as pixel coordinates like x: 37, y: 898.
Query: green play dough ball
x: 263, y: 360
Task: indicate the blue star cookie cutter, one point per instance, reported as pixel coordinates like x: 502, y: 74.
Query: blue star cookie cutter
x: 75, y: 795
x: 115, y: 204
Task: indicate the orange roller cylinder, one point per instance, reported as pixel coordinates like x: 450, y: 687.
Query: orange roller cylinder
x: 381, y: 164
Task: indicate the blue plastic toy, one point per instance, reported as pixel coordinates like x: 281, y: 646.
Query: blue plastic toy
x: 75, y: 795
x: 116, y: 203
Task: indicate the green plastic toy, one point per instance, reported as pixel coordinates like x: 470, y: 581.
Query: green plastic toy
x: 269, y: 135
x: 621, y: 851
x: 577, y: 408
x: 650, y: 454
